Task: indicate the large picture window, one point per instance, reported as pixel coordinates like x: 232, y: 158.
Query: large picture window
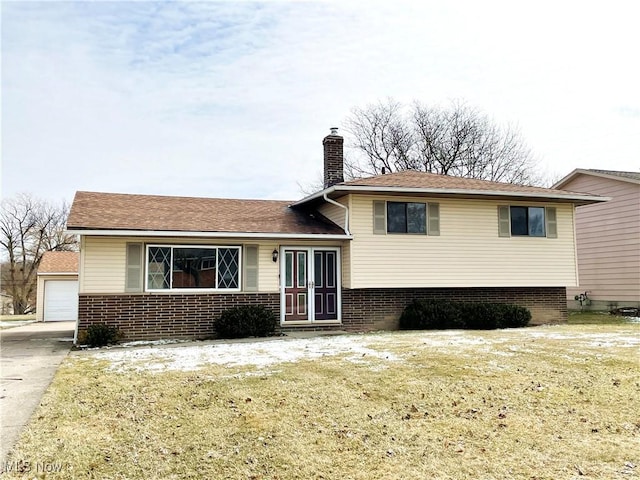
x: 172, y: 267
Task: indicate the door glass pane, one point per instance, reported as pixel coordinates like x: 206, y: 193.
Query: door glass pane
x: 331, y: 269
x: 536, y: 221
x: 317, y: 269
x: 302, y: 269
x: 288, y: 269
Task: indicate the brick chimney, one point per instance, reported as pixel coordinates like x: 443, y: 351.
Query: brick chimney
x: 333, y: 158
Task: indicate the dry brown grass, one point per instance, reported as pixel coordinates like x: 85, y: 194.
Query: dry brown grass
x: 544, y: 403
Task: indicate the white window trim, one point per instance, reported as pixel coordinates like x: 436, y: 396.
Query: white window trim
x: 190, y: 290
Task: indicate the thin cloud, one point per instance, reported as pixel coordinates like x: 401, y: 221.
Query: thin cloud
x: 233, y: 98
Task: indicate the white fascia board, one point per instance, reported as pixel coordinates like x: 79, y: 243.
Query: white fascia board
x: 57, y: 274
x: 446, y: 191
x: 162, y: 233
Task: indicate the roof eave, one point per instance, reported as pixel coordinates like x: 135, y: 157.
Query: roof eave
x: 582, y: 171
x: 192, y: 234
x: 578, y: 199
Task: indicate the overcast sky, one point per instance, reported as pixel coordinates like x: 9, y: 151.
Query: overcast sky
x: 229, y: 99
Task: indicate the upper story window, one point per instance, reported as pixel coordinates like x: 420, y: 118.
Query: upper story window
x: 406, y: 217
x: 525, y: 221
x: 190, y: 267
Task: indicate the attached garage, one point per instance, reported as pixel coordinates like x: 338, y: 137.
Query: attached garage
x: 58, y: 287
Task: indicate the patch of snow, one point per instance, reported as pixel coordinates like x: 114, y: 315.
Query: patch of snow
x: 362, y: 349
x: 139, y: 343
x: 259, y: 353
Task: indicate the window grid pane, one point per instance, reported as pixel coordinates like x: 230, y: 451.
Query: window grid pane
x: 159, y: 268
x: 228, y: 267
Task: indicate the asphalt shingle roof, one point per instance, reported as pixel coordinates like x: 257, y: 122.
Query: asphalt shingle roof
x: 413, y: 179
x: 59, y: 262
x: 115, y: 211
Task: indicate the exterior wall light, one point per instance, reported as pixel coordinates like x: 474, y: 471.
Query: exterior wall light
x: 274, y: 255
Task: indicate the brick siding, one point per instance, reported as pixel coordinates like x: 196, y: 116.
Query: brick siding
x: 380, y: 308
x: 153, y: 316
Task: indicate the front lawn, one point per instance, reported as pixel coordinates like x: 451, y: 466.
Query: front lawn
x: 537, y: 403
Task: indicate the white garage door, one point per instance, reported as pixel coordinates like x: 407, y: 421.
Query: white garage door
x: 60, y: 300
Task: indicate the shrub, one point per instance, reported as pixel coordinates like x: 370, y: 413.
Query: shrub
x: 99, y: 335
x: 442, y: 314
x: 431, y: 314
x: 246, y: 321
x: 481, y: 315
x: 514, y: 316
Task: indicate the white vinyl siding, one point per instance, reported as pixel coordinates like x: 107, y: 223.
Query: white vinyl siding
x: 468, y: 252
x: 103, y: 260
x: 104, y: 265
x: 334, y: 213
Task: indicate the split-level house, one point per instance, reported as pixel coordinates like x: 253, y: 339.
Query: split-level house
x: 607, y: 240
x: 348, y: 257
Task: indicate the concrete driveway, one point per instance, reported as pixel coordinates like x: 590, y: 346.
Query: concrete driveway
x: 29, y: 358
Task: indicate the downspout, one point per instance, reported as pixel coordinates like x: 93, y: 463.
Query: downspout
x: 346, y: 212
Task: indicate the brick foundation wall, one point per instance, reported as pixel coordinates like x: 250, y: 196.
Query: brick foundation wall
x: 150, y: 317
x: 380, y: 308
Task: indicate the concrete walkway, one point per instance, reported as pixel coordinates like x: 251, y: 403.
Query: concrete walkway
x: 29, y: 358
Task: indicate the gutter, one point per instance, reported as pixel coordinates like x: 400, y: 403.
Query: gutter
x: 346, y: 212
x: 162, y: 233
x: 455, y: 192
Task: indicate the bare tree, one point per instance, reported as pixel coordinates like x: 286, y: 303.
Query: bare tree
x: 28, y: 228
x: 458, y: 140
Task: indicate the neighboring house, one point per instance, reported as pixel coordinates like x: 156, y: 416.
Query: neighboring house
x: 351, y: 256
x: 608, y: 239
x: 57, y: 289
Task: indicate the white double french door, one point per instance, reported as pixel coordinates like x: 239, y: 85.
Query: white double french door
x: 309, y: 284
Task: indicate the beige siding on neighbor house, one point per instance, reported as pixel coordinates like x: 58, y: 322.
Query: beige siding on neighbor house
x: 608, y: 238
x: 103, y: 259
x: 467, y: 253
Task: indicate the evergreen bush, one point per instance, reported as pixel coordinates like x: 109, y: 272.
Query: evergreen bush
x: 444, y: 314
x: 246, y: 321
x: 100, y: 335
